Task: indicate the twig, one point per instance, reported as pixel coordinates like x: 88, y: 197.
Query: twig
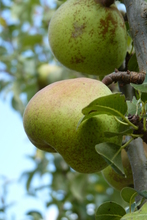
x: 124, y: 77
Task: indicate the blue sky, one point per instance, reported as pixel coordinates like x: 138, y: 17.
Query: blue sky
x: 14, y: 145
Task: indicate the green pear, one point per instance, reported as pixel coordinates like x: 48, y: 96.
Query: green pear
x: 48, y: 74
x: 51, y: 122
x: 114, y: 179
x: 87, y: 37
x: 117, y: 181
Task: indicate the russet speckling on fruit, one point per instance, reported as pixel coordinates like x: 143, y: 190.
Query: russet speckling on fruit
x: 52, y: 115
x: 87, y: 37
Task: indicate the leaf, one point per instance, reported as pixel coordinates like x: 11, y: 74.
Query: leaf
x: 129, y: 39
x: 110, y: 211
x: 3, y: 22
x: 113, y: 101
x: 3, y: 51
x: 113, y: 134
x: 141, y: 88
x: 133, y: 107
x: 78, y: 186
x: 29, y: 176
x: 4, y: 84
x: 17, y: 104
x: 35, y: 2
x: 35, y: 214
x: 132, y: 64
x: 128, y: 194
x: 141, y: 214
x: 113, y: 104
x: 30, y: 40
x: 112, y: 154
x: 144, y: 97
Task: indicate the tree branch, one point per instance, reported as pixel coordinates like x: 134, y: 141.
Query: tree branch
x: 124, y: 77
x: 137, y: 17
x: 138, y: 163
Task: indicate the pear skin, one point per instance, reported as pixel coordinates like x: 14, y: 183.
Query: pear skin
x: 52, y: 115
x: 87, y: 37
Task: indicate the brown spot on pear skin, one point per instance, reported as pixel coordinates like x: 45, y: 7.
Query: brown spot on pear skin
x: 78, y: 30
x: 105, y: 24
x: 85, y: 29
x: 77, y: 59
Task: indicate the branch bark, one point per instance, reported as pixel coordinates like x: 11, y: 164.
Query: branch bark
x: 137, y: 18
x: 124, y: 77
x: 138, y: 163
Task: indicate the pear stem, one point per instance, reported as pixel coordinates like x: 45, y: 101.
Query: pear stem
x: 105, y: 3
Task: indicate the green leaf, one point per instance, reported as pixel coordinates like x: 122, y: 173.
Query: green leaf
x: 132, y: 64
x: 112, y: 154
x: 35, y: 2
x: 124, y: 132
x: 78, y: 186
x: 30, y: 40
x: 29, y: 180
x: 4, y: 84
x: 133, y: 107
x: 138, y: 215
x: 113, y: 104
x: 110, y: 211
x: 29, y: 176
x: 35, y: 214
x: 3, y: 51
x: 128, y: 194
x: 113, y: 101
x: 129, y: 39
x: 141, y: 88
x: 144, y: 97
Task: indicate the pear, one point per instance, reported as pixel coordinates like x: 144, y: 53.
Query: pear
x: 117, y: 181
x: 114, y: 179
x: 51, y: 122
x: 88, y: 37
x: 48, y: 74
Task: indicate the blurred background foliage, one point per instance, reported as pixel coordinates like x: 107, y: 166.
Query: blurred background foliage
x: 26, y: 66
